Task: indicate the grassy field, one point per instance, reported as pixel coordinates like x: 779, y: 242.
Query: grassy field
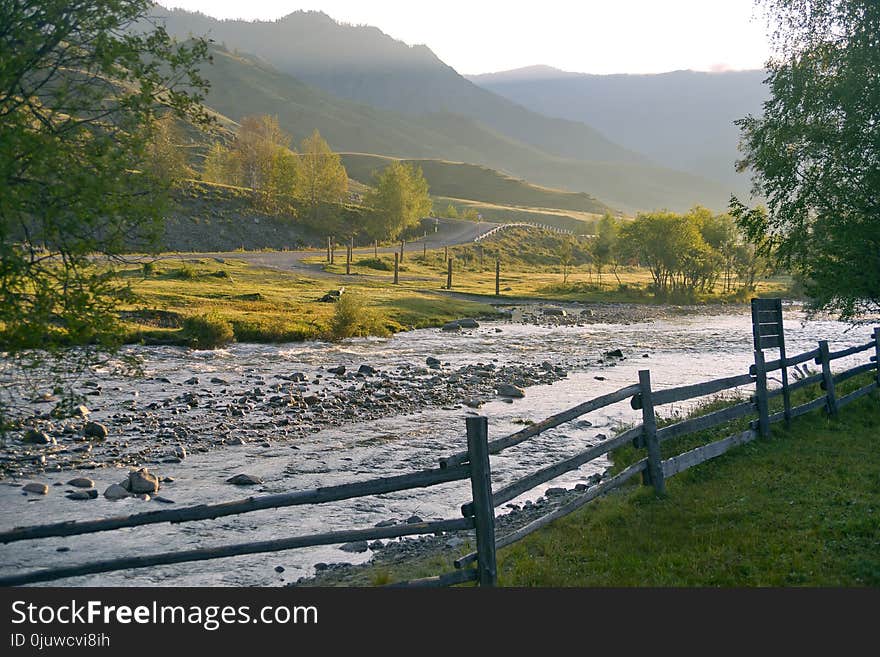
x: 267, y: 305
x: 797, y: 509
x: 535, y: 274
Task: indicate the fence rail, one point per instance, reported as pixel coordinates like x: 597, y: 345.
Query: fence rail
x: 474, y: 464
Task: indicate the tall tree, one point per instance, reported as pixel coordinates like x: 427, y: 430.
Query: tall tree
x: 815, y: 152
x: 324, y: 179
x: 81, y: 87
x: 399, y: 200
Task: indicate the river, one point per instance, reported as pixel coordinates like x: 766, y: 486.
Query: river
x: 678, y: 349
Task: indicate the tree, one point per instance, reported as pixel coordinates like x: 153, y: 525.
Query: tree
x: 604, y: 247
x: 451, y: 211
x: 166, y: 158
x: 566, y: 258
x: 80, y: 93
x: 398, y: 201
x: 324, y: 179
x: 814, y: 152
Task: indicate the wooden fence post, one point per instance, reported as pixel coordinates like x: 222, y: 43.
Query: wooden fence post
x: 497, y: 277
x: 877, y: 351
x: 827, y: 378
x: 449, y: 274
x: 761, y: 398
x: 481, y: 491
x: 654, y: 471
x: 445, y: 252
x: 396, y: 267
x: 348, y: 261
x: 329, y: 256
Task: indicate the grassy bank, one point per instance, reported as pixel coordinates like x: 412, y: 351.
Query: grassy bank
x: 267, y: 305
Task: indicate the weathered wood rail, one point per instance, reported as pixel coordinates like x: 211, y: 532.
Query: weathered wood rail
x: 478, y: 515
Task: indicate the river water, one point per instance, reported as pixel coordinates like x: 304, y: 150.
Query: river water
x: 679, y: 349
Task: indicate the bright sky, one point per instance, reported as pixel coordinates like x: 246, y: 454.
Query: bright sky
x: 588, y: 36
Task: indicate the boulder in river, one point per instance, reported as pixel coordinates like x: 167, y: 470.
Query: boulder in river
x: 95, y: 430
x: 614, y: 353
x: 244, y: 480
x: 510, y: 390
x: 354, y: 546
x: 451, y: 327
x: 554, y: 312
x: 35, y: 437
x: 367, y: 370
x: 337, y: 370
x: 36, y: 488
x: 432, y: 362
x: 90, y: 494
x: 116, y: 492
x: 141, y: 481
x: 81, y: 482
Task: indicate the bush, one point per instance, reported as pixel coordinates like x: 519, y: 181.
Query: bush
x: 375, y: 263
x: 207, y: 331
x: 186, y: 272
x: 149, y: 268
x: 352, y: 318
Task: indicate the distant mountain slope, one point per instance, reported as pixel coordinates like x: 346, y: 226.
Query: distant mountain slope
x: 682, y: 119
x: 477, y: 183
x: 242, y: 84
x: 362, y: 64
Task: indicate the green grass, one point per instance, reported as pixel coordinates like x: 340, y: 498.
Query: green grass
x: 267, y: 305
x: 798, y: 509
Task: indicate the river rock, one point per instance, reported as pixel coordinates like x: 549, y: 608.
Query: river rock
x: 554, y: 312
x: 141, y: 481
x: 180, y: 452
x: 194, y: 381
x: 467, y: 323
x: 555, y: 492
x: 90, y: 494
x: 35, y: 437
x: 355, y: 546
x: 367, y: 370
x: 244, y: 480
x: 95, y: 430
x: 218, y: 381
x: 385, y: 523
x: 80, y: 411
x: 614, y: 353
x: 432, y: 362
x: 81, y: 482
x: 116, y: 492
x: 339, y: 370
x: 451, y: 327
x: 36, y: 488
x: 509, y: 390
x: 414, y: 520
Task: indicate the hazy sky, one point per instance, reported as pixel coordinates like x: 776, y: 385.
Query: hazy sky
x: 590, y: 36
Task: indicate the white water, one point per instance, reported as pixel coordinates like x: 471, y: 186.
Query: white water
x: 686, y: 349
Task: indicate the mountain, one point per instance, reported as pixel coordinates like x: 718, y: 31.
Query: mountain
x: 243, y: 84
x: 362, y: 64
x: 683, y: 119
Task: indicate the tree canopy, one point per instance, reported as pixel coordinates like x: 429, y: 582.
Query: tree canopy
x: 399, y: 200
x: 815, y: 152
x: 82, y: 88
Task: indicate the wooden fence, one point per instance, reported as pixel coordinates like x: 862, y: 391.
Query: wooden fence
x: 473, y: 464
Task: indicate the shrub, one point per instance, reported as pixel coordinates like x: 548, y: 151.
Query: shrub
x: 207, y: 331
x: 352, y: 318
x: 186, y: 272
x: 149, y: 268
x: 375, y: 263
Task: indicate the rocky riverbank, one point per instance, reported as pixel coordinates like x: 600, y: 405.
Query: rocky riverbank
x: 405, y: 554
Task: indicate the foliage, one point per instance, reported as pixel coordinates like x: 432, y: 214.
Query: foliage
x: 352, y: 318
x: 324, y: 180
x: 81, y: 94
x: 814, y: 152
x: 687, y: 254
x: 207, y: 331
x: 399, y: 200
x: 451, y: 211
